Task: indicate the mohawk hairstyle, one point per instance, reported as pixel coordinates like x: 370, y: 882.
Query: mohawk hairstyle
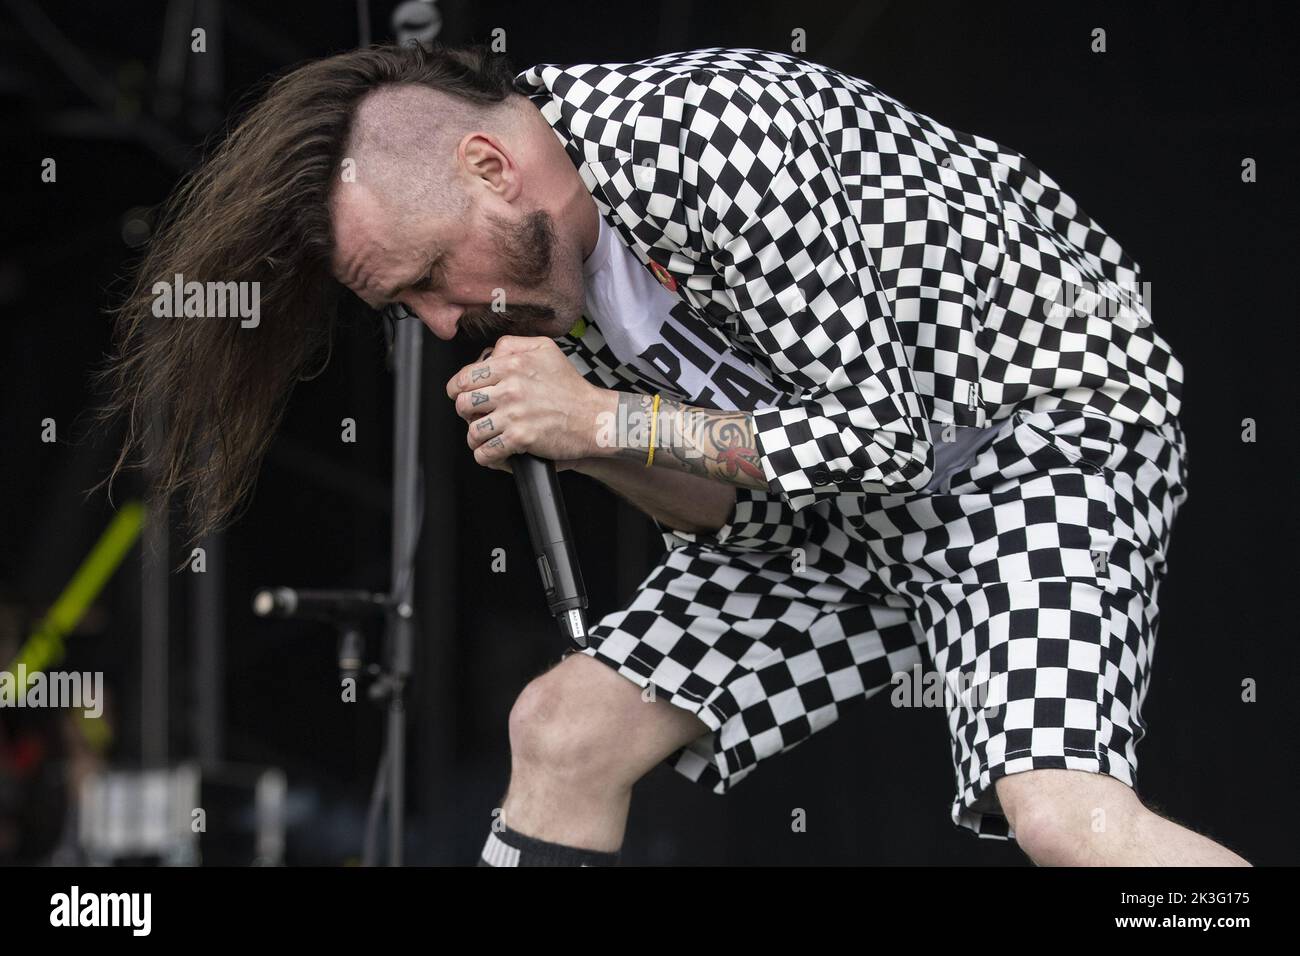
x: 257, y: 210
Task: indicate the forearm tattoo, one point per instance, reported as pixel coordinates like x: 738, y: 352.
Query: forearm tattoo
x: 700, y: 441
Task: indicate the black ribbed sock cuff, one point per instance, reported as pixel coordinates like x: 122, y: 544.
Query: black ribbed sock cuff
x: 510, y: 848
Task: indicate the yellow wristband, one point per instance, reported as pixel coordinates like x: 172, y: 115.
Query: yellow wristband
x: 654, y: 423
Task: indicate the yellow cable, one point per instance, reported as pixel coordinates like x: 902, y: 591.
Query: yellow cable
x: 45, y: 645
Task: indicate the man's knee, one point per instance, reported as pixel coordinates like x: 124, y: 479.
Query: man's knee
x: 1067, y: 817
x: 569, y: 720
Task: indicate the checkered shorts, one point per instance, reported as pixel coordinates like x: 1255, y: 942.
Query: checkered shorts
x: 1028, y: 583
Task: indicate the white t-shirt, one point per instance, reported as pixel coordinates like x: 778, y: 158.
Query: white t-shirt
x: 651, y: 330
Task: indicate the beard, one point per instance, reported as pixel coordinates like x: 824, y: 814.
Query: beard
x: 484, y: 326
x: 530, y: 247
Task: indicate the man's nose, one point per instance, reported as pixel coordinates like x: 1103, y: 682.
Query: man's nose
x: 439, y: 317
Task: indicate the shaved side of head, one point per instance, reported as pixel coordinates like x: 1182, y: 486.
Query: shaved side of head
x: 403, y: 143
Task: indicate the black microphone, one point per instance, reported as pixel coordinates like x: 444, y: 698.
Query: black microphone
x: 318, y: 605
x: 548, y: 527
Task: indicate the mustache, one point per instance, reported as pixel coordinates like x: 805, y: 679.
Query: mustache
x: 485, y: 326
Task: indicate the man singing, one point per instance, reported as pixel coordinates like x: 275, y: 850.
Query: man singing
x: 894, y: 399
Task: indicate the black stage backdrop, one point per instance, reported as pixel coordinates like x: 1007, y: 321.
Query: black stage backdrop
x: 1149, y: 136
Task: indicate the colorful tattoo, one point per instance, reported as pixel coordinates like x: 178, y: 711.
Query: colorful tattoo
x: 701, y: 441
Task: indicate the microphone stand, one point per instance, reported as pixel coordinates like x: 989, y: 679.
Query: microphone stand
x: 407, y: 518
x: 345, y: 608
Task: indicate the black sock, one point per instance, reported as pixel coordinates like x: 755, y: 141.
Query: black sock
x: 509, y: 848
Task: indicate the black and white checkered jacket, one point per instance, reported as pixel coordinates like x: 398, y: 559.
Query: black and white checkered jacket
x: 888, y: 271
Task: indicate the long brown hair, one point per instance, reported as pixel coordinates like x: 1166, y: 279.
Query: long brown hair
x: 255, y: 211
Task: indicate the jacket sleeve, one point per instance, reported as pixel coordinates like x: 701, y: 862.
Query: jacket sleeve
x: 807, y: 290
x: 761, y: 522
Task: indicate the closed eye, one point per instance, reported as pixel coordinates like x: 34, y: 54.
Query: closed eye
x: 426, y: 284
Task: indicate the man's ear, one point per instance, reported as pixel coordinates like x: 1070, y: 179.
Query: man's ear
x: 489, y: 164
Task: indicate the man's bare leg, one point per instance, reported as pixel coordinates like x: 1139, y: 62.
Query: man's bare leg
x: 580, y: 736
x: 1076, y: 818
